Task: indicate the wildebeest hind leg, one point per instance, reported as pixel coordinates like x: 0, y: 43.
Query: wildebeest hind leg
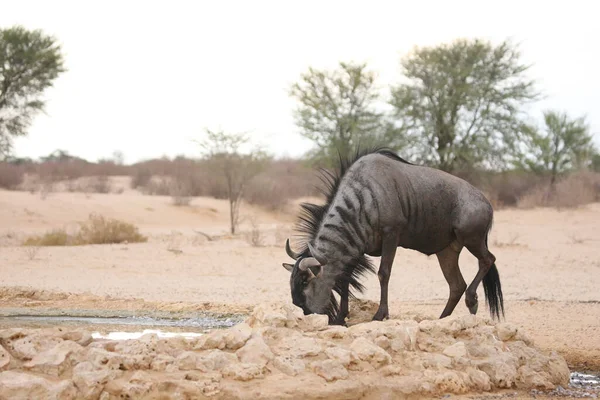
x: 486, y: 260
x: 448, y: 259
x: 388, y: 252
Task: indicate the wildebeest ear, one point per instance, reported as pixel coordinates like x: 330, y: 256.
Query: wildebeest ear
x: 287, y: 266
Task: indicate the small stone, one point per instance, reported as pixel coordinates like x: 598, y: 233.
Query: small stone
x: 506, y: 331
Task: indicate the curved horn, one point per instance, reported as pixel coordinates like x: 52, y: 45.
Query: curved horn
x: 308, y: 262
x: 289, y: 250
x: 313, y: 252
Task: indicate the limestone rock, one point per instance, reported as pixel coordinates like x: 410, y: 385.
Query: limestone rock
x: 21, y: 385
x: 237, y: 336
x: 365, y: 350
x: 299, y: 346
x: 55, y: 360
x: 330, y: 370
x: 5, y: 358
x: 333, y: 332
x: 502, y: 369
x: 27, y: 347
x: 279, y: 345
x: 209, y: 360
x: 255, y: 351
x: 82, y: 338
x: 161, y: 362
x: 436, y: 361
x: 289, y: 365
x: 101, y: 358
x: 243, y: 371
x: 90, y: 382
x: 479, y: 379
x: 277, y: 315
x: 457, y: 350
x: 339, y: 354
x: 313, y: 322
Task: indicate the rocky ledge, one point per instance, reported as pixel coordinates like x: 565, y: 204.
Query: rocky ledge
x: 278, y: 353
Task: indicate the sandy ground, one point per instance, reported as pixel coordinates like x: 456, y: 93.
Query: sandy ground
x: 548, y: 262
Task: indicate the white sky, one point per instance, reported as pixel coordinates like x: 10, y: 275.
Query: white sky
x: 145, y: 77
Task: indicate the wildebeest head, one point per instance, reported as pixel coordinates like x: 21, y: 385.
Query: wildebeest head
x: 312, y: 289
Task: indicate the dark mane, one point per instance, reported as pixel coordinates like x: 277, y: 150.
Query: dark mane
x: 311, y: 216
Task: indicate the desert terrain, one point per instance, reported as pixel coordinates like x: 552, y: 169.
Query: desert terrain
x: 547, y: 259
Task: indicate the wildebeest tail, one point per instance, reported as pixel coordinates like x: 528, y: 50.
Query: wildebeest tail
x: 493, y: 291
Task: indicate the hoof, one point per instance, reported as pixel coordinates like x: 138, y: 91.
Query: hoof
x: 473, y: 308
x: 380, y: 316
x: 472, y: 303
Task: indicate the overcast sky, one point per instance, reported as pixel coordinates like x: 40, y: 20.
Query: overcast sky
x: 145, y: 77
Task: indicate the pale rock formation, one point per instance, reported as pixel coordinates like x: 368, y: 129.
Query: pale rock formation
x: 279, y: 353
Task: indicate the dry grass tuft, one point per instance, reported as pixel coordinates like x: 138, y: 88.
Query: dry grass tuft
x: 255, y: 237
x: 97, y: 230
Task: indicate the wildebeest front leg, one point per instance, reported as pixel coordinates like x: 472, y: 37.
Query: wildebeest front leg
x: 343, y: 313
x: 388, y: 252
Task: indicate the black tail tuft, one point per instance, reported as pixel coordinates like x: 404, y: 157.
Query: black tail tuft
x: 493, y: 292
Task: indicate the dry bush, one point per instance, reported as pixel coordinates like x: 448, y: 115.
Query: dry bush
x: 282, y: 181
x: 98, y: 184
x: 181, y: 193
x: 92, y: 184
x: 266, y: 193
x: 100, y: 230
x: 96, y: 230
x: 11, y: 176
x: 574, y: 190
x: 507, y: 188
x: 183, y: 177
x: 140, y: 178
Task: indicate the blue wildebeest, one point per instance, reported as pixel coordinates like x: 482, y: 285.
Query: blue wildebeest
x: 375, y: 203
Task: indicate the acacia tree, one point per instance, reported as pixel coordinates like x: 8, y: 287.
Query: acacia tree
x: 225, y: 153
x: 564, y: 145
x: 337, y: 111
x: 30, y: 62
x: 460, y: 103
